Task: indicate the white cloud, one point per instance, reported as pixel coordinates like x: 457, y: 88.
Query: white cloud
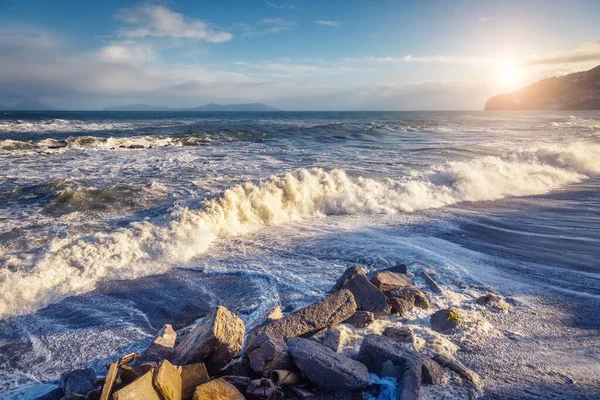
x: 333, y: 24
x: 280, y: 5
x: 587, y: 52
x: 266, y: 26
x: 156, y: 20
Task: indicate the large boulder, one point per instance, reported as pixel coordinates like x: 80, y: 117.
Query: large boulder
x: 333, y: 309
x: 168, y: 381
x: 366, y: 295
x: 409, y: 381
x: 192, y: 376
x: 384, y: 356
x: 217, y: 389
x: 388, y: 280
x: 161, y: 346
x: 80, y: 381
x: 327, y: 369
x: 411, y: 295
x: 266, y: 352
x: 141, y: 388
x: 215, y: 341
x: 446, y: 320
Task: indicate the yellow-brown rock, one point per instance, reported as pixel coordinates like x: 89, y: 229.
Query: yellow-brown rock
x: 192, y: 376
x: 168, y: 381
x: 217, y: 389
x: 141, y: 388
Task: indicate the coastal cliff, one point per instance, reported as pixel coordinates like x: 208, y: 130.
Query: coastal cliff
x: 577, y: 91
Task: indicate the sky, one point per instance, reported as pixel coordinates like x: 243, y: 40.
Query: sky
x: 289, y: 54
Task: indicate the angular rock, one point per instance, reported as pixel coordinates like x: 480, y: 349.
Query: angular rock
x: 240, y: 382
x: 109, y: 381
x: 266, y: 352
x: 433, y: 285
x: 238, y: 367
x: 400, y: 306
x: 361, y: 319
x: 401, y: 334
x: 215, y: 341
x: 333, y: 338
x: 409, y: 381
x: 366, y: 295
x: 388, y: 280
x: 411, y: 295
x: 445, y: 321
x: 334, y: 308
x: 263, y: 389
x: 168, y: 381
x: 327, y: 369
x: 462, y: 371
x: 192, y: 376
x: 432, y: 373
x: 80, y: 381
x: 398, y: 269
x: 128, y: 374
x: 217, y: 389
x: 494, y: 302
x: 275, y: 313
x: 141, y: 388
x: 384, y: 356
x: 161, y: 347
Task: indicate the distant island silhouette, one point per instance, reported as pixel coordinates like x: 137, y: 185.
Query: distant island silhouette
x: 207, y: 107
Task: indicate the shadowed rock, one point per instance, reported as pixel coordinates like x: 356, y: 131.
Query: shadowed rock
x: 192, y: 376
x: 80, y: 381
x: 266, y: 352
x: 161, y: 347
x: 333, y: 338
x: 411, y: 295
x: 333, y: 309
x: 384, y: 356
x: 432, y: 373
x: 401, y: 334
x: 445, y: 321
x: 388, y: 280
x: 327, y: 369
x: 366, y: 295
x: 361, y: 319
x: 215, y: 341
x: 142, y: 388
x: 263, y: 389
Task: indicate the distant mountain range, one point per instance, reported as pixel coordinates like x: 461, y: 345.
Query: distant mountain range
x: 29, y: 105
x: 578, y: 91
x: 207, y: 107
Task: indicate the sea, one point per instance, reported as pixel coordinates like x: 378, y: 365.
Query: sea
x: 113, y: 224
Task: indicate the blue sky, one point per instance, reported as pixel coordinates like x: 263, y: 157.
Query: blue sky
x: 291, y: 54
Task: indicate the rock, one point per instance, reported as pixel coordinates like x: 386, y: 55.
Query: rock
x: 327, y: 369
x: 217, y: 389
x: 333, y: 338
x: 388, y: 280
x: 266, y: 352
x: 462, y: 371
x: 361, y: 319
x: 161, y: 347
x: 168, y: 381
x: 400, y: 306
x: 80, y: 381
x: 128, y: 374
x: 55, y: 394
x: 141, y: 388
x: 109, y: 381
x: 398, y: 269
x: 238, y: 367
x: 147, y: 366
x: 432, y: 284
x: 275, y: 313
x: 366, y: 295
x: 384, y: 356
x: 409, y: 381
x: 445, y: 321
x: 399, y: 334
x: 215, y: 341
x: 192, y: 375
x: 412, y: 295
x: 494, y: 302
x: 334, y: 308
x: 432, y: 373
x: 263, y: 389
x: 240, y: 382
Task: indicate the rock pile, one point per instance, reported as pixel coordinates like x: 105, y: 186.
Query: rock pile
x: 293, y: 356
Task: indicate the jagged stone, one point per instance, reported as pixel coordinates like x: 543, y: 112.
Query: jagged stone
x: 433, y: 285
x: 168, y: 381
x: 401, y: 334
x: 161, y: 346
x: 411, y: 295
x: 141, y: 388
x: 80, y: 381
x: 266, y: 352
x: 192, y: 376
x: 109, y: 381
x: 327, y: 369
x: 263, y: 389
x: 462, y: 371
x: 334, y: 308
x: 398, y: 269
x: 366, y: 295
x: 240, y: 382
x: 128, y: 374
x: 384, y: 356
x: 432, y: 373
x: 275, y: 313
x: 400, y: 306
x: 388, y: 280
x: 333, y: 338
x: 215, y: 341
x: 446, y: 320
x: 409, y: 381
x: 217, y: 389
x: 361, y: 319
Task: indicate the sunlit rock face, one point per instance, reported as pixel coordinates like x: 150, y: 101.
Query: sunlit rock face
x: 578, y: 91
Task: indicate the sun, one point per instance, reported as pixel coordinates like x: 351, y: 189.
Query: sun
x: 510, y: 77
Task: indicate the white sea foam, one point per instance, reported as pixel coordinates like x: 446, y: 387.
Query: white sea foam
x: 75, y: 266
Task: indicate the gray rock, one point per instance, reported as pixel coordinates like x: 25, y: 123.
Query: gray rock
x: 333, y: 309
x: 411, y: 295
x: 263, y: 389
x: 55, y: 394
x: 80, y: 381
x: 432, y: 373
x: 366, y: 295
x: 361, y: 319
x: 400, y: 306
x: 161, y: 346
x: 384, y: 356
x: 457, y: 367
x: 399, y: 269
x: 215, y: 341
x: 388, y: 280
x: 494, y: 302
x: 401, y: 334
x: 333, y: 338
x: 327, y: 369
x: 266, y: 352
x: 446, y: 320
x: 409, y: 381
x: 433, y: 285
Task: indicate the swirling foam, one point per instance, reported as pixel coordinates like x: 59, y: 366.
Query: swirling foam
x: 76, y: 266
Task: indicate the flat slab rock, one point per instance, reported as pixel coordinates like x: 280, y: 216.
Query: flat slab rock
x: 215, y: 341
x: 331, y: 310
x: 327, y: 369
x: 388, y: 280
x: 168, y: 381
x: 367, y: 296
x: 141, y: 388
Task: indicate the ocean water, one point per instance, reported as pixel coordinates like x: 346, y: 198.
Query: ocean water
x: 114, y: 223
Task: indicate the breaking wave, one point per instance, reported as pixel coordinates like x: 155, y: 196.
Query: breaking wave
x: 75, y: 266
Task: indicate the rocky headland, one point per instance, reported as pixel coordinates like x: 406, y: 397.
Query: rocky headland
x: 355, y: 343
